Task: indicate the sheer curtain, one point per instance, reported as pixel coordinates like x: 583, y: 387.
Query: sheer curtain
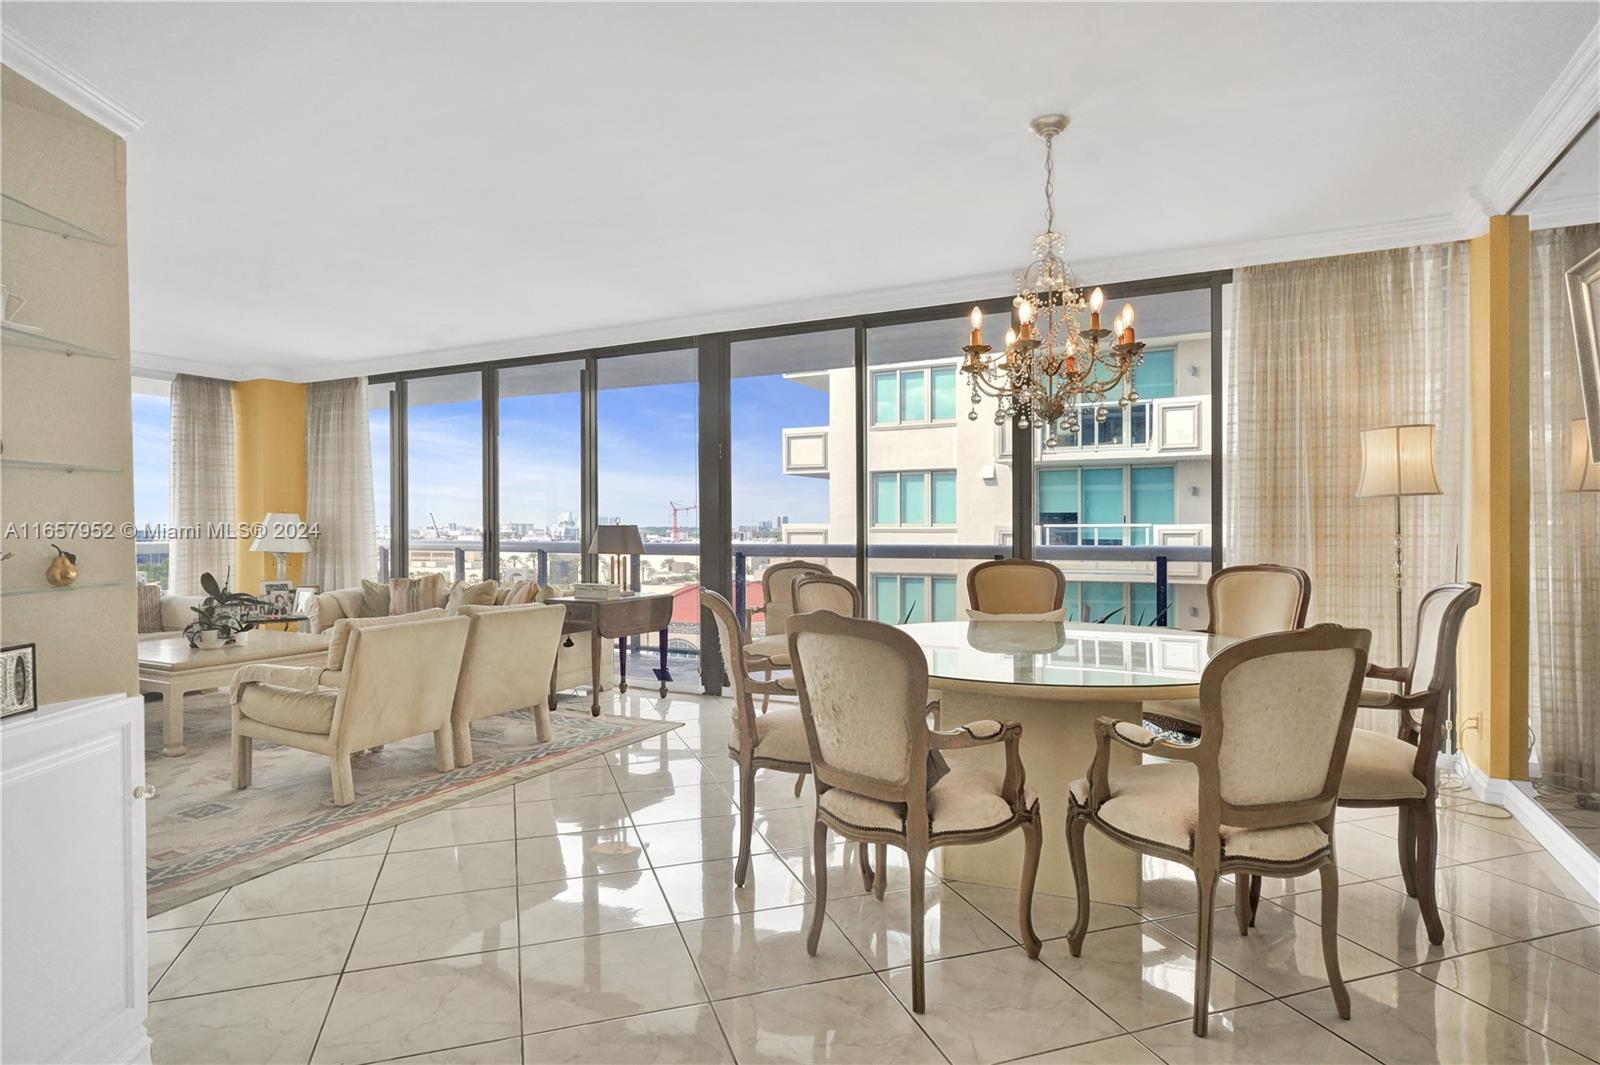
x: 339, y: 485
x: 1323, y: 349
x: 202, y: 480
x: 1564, y: 542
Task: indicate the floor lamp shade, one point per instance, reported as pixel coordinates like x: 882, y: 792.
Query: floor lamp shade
x: 1397, y: 460
x: 1583, y: 471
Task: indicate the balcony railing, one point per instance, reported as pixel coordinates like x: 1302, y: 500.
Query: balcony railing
x: 1175, y: 425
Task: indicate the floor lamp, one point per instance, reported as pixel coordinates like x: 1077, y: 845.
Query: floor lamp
x: 1397, y: 460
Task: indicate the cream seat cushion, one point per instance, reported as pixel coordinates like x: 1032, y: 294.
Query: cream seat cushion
x: 1160, y: 802
x: 780, y: 735
x: 297, y: 711
x: 966, y: 799
x: 774, y: 648
x: 1379, y: 767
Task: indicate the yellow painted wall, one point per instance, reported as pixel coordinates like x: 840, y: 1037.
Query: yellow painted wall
x: 1493, y: 713
x: 269, y: 457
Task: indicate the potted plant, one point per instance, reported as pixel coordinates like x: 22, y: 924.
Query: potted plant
x: 220, y: 617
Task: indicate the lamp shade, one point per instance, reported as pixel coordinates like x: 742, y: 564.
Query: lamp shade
x: 282, y: 532
x: 1397, y: 460
x: 1583, y: 472
x: 617, y: 540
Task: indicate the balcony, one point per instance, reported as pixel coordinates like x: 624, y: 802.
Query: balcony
x: 1178, y: 427
x: 1120, y: 536
x: 805, y: 451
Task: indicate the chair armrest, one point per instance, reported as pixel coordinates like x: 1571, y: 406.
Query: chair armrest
x: 1399, y: 673
x: 298, y: 678
x: 1372, y: 699
x: 1132, y: 735
x: 981, y: 734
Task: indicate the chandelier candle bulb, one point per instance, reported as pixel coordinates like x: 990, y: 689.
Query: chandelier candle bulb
x: 977, y: 328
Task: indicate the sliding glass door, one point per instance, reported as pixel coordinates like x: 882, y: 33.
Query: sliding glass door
x: 444, y: 470
x: 540, y: 442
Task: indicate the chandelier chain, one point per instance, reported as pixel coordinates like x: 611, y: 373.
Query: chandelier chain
x: 1050, y: 184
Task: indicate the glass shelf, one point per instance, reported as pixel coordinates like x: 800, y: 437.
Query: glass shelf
x: 43, y: 588
x: 68, y: 467
x: 27, y: 338
x: 19, y: 213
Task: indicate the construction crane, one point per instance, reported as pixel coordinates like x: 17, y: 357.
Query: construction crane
x: 679, y: 508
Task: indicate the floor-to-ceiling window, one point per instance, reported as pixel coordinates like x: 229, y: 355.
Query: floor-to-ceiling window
x: 380, y: 397
x: 541, y: 472
x: 648, y: 435
x: 792, y: 459
x: 152, y: 477
x: 444, y: 476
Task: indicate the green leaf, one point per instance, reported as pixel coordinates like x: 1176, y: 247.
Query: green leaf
x: 209, y: 583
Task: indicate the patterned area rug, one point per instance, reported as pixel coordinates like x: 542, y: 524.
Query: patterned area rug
x: 202, y: 836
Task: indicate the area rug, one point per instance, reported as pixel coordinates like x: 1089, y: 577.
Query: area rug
x: 202, y: 836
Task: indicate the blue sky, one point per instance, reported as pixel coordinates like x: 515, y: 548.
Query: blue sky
x: 648, y: 455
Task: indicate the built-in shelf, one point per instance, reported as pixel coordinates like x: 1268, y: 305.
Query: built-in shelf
x: 64, y: 467
x: 17, y: 212
x: 27, y: 338
x: 43, y: 588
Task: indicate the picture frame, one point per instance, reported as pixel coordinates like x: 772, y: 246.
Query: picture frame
x: 1583, y: 293
x: 304, y: 596
x: 279, y: 596
x: 19, y: 685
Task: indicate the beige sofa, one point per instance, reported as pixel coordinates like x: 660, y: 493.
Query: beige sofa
x: 510, y: 651
x: 386, y: 679
x: 572, y: 659
x: 175, y: 614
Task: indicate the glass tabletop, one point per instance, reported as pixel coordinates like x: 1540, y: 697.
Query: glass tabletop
x: 1048, y: 654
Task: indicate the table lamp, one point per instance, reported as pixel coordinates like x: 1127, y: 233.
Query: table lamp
x: 1583, y: 472
x: 617, y: 541
x: 283, y: 535
x: 1397, y: 460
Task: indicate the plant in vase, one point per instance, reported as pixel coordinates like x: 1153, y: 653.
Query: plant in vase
x: 219, y: 619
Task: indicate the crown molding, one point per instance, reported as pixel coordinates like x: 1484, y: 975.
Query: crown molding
x: 66, y: 84
x: 158, y: 367
x: 1572, y: 100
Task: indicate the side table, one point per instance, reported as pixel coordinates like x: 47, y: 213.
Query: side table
x: 617, y: 619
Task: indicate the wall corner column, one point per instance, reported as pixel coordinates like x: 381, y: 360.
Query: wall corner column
x: 269, y: 470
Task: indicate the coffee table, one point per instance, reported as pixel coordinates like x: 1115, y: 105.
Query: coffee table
x: 172, y: 669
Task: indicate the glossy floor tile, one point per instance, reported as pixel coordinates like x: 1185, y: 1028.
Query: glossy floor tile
x: 589, y: 914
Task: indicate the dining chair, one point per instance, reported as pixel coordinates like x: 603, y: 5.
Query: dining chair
x: 827, y: 591
x: 1016, y: 586
x: 1257, y: 794
x: 863, y: 690
x: 1401, y: 770
x: 771, y: 652
x: 1244, y: 601
x: 774, y: 740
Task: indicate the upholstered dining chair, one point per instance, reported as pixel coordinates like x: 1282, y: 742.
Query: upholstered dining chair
x: 385, y: 679
x: 1256, y: 795
x: 1015, y: 586
x: 771, y: 652
x: 827, y: 591
x: 863, y: 690
x: 1244, y: 601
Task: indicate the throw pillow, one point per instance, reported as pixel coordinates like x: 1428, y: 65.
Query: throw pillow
x: 522, y: 593
x: 374, y: 599
x: 463, y: 594
x: 407, y: 595
x: 149, y: 607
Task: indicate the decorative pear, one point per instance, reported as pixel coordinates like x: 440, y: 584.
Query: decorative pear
x: 63, y: 569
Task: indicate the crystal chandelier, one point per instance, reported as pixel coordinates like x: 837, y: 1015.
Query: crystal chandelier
x: 1052, y: 365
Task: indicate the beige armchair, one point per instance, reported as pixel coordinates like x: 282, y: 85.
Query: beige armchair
x: 771, y: 652
x: 1255, y: 796
x: 863, y: 690
x: 386, y: 679
x: 510, y: 655
x: 825, y: 591
x: 1015, y: 586
x: 1244, y: 601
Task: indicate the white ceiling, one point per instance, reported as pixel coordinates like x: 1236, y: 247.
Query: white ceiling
x: 321, y: 189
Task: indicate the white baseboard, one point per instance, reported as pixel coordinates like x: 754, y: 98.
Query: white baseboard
x: 1518, y: 798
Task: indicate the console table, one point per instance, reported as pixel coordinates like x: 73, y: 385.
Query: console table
x: 617, y: 619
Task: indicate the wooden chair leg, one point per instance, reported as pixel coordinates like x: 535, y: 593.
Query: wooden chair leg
x: 867, y: 875
x: 1033, y: 840
x: 918, y: 857
x: 1241, y: 902
x: 344, y: 784
x: 1080, y: 879
x: 819, y: 909
x: 747, y: 821
x: 880, y: 881
x: 461, y: 733
x: 766, y: 676
x: 1207, y: 883
x: 444, y: 755
x: 1330, y: 938
x: 243, y: 761
x: 799, y: 784
x: 1425, y: 828
x: 1407, y: 839
x: 541, y: 723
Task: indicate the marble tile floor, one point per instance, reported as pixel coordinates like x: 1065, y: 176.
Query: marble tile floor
x: 590, y: 915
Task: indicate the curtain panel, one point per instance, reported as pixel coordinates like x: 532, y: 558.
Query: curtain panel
x: 1564, y: 540
x: 202, y: 480
x: 1323, y: 349
x: 339, y: 485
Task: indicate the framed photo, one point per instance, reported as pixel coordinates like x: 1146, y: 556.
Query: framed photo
x: 21, y: 691
x: 303, y: 598
x: 279, y: 596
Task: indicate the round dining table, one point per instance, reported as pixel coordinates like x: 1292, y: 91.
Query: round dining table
x: 1055, y: 680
